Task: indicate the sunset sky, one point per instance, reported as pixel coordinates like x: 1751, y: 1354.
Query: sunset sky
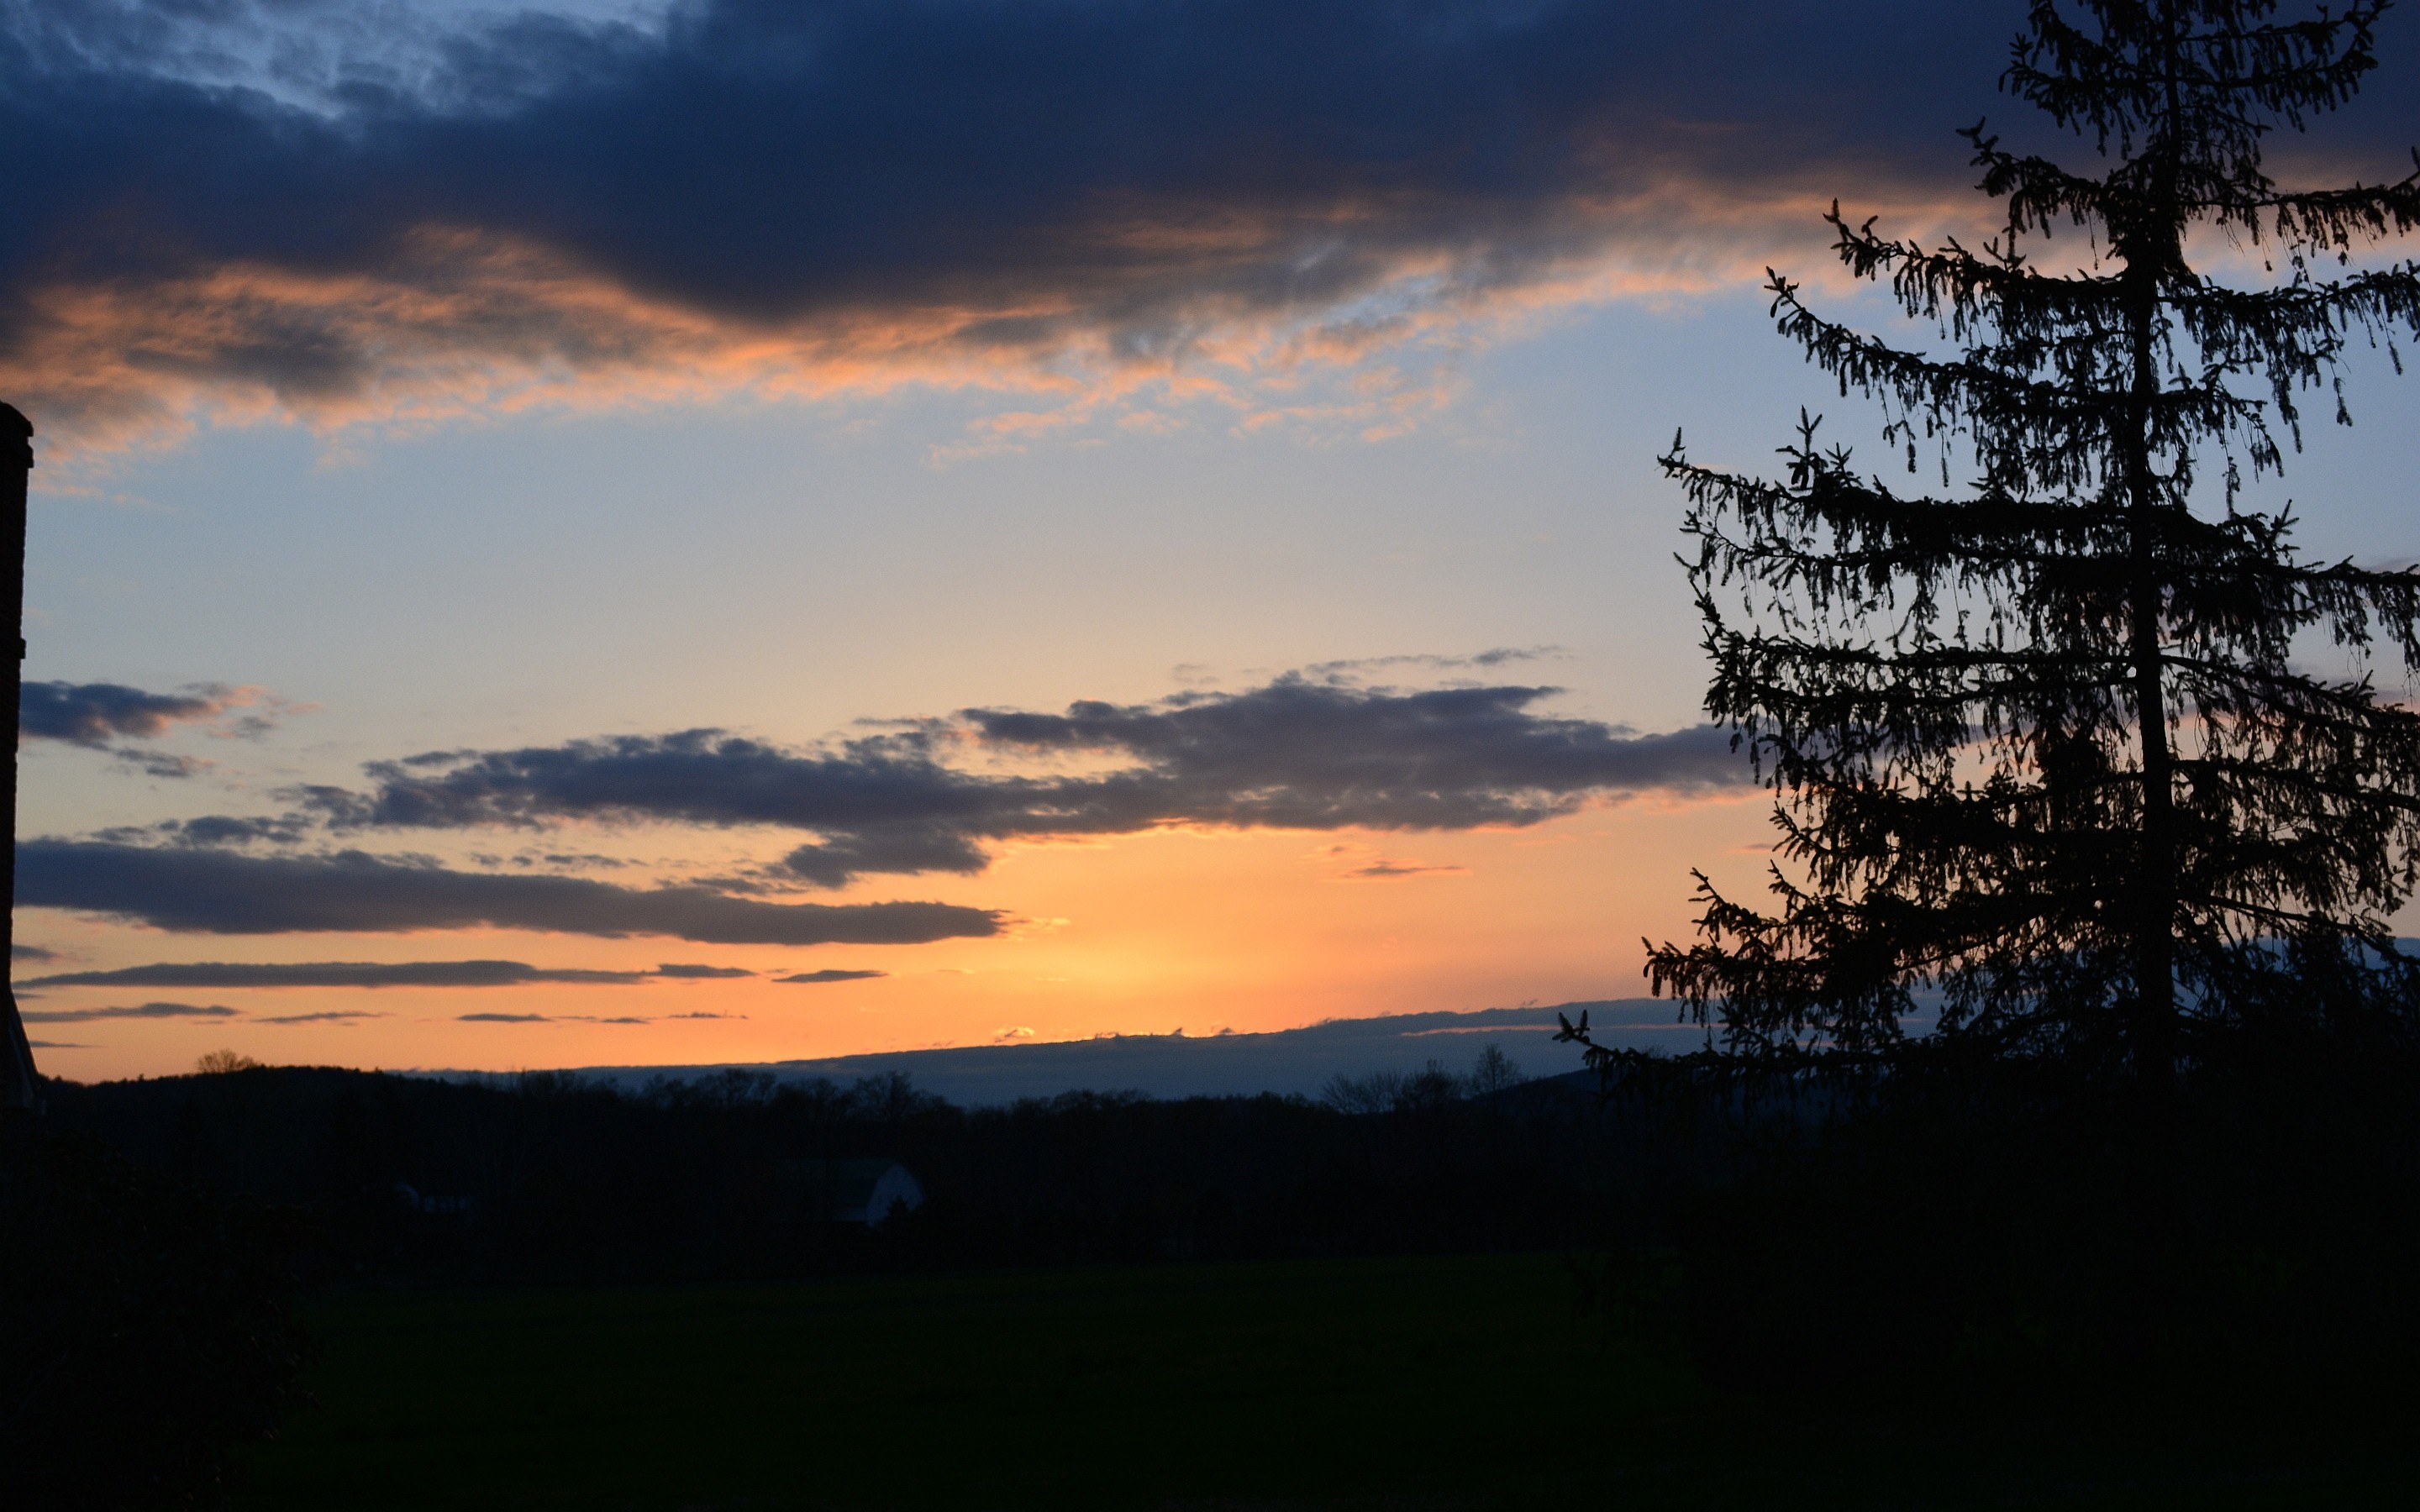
x: 743, y: 531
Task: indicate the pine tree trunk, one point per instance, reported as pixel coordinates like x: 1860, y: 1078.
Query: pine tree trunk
x: 2158, y: 247
x: 2154, y: 1031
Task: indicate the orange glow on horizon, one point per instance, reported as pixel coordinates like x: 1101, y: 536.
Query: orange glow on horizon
x: 1198, y: 930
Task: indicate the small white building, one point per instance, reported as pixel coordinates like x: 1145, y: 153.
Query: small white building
x: 855, y: 1191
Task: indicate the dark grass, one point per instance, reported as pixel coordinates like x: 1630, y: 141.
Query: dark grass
x: 1439, y: 1382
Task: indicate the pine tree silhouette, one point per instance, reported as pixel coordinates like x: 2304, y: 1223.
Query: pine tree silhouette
x: 2042, y: 745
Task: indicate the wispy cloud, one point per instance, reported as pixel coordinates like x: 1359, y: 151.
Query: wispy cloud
x: 226, y: 974
x: 557, y: 1018
x: 219, y: 892
x: 138, y: 1011
x: 817, y: 979
x: 173, y: 765
x: 1397, y: 871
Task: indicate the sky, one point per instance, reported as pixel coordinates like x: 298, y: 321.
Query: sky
x: 631, y: 534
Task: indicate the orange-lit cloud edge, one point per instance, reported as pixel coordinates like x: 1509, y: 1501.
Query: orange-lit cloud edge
x: 463, y: 325
x: 460, y: 324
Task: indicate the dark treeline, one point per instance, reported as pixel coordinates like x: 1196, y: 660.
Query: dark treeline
x: 544, y: 1177
x: 1970, y: 1224
x: 172, y: 1225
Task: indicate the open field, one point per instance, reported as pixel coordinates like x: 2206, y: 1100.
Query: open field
x: 1417, y: 1384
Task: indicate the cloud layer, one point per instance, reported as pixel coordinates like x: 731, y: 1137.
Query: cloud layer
x: 337, y: 1015
x: 811, y: 195
x: 1295, y: 753
x: 1301, y: 752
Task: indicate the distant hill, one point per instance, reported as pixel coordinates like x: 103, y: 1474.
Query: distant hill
x: 1287, y: 1061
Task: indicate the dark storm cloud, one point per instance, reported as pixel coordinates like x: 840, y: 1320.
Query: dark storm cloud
x: 1295, y: 753
x: 218, y: 892
x: 335, y: 974
x: 139, y: 1011
x: 819, y: 979
x: 92, y: 714
x: 952, y: 178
